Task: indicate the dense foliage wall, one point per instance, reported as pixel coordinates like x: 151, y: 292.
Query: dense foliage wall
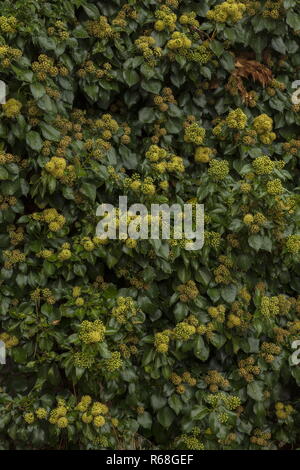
x: 144, y: 344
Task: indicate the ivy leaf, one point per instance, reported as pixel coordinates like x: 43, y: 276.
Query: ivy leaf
x: 157, y: 401
x: 166, y: 417
x: 229, y: 293
x: 255, y: 390
x: 175, y: 403
x: 38, y: 90
x: 34, y: 141
x: 293, y: 20
x: 255, y: 241
x: 49, y: 132
x: 153, y: 86
x: 145, y: 420
x: 89, y: 190
x: 199, y: 412
x: 131, y: 77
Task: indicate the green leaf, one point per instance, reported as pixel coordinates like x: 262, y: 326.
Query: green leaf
x: 255, y: 390
x: 145, y: 420
x: 146, y: 115
x: 229, y: 293
x: 3, y: 173
x: 89, y: 190
x: 201, y: 351
x: 91, y: 10
x: 293, y: 20
x: 255, y: 241
x: 131, y: 77
x: 217, y: 47
x: 166, y: 417
x: 152, y: 86
x: 175, y: 403
x: 199, y: 412
x: 279, y: 45
x: 37, y: 90
x: 49, y: 132
x: 129, y: 158
x: 157, y: 401
x: 34, y: 141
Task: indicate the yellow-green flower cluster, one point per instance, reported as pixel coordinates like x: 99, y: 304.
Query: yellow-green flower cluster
x: 16, y: 235
x: 59, y: 30
x: 56, y: 166
x: 146, y: 186
x: 274, y: 187
x: 8, y: 54
x: 261, y: 438
x: 269, y: 306
x: 254, y: 221
x: 125, y: 309
x: 44, y: 253
x: 230, y: 11
x: 43, y: 294
x: 186, y: 377
x: 84, y: 403
x: 269, y: 351
x: 146, y: 44
x: 54, y: 220
x: 87, y: 244
x: 162, y: 101
x: 161, y: 342
x: 89, y: 68
x: 204, y: 154
x: 114, y: 362
x: 13, y: 257
x: 223, y: 417
x: 166, y: 19
x: 236, y: 119
x: 45, y: 67
x: 41, y: 413
x: 293, y: 244
x: 84, y: 360
x: 247, y: 369
x: 191, y: 442
x: 65, y: 252
x: 108, y: 125
x: 189, y: 18
x: 215, y: 380
x: 263, y: 125
x: 92, y: 412
x: 179, y: 41
x: 92, y: 332
x: 188, y: 291
x: 212, y: 239
x: 283, y: 411
x: 58, y: 415
x: 273, y: 9
x: 8, y: 24
x: 231, y: 402
x: 217, y: 313
x: 200, y: 53
x: 100, y: 28
x: 162, y: 161
x: 194, y: 134
x: 29, y: 418
x: 12, y: 108
x: 183, y: 331
x: 263, y: 165
x: 222, y: 275
x: 9, y: 340
x: 218, y: 169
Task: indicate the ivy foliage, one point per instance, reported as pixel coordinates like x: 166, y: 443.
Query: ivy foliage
x: 142, y: 344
